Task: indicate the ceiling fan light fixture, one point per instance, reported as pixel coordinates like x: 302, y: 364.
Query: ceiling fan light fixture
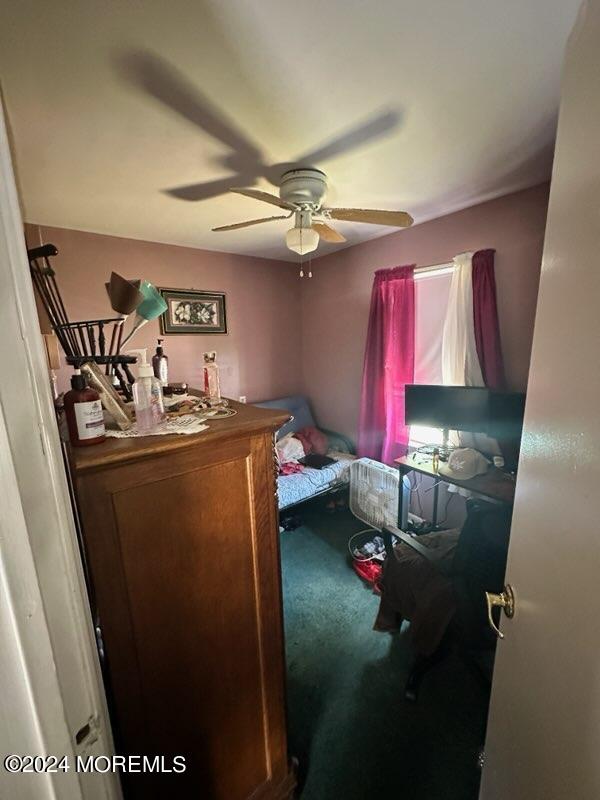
x: 302, y: 240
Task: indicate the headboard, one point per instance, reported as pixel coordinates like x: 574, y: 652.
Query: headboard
x: 298, y: 406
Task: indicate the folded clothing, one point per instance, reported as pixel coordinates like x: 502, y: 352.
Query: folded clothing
x: 290, y: 467
x: 289, y: 448
x: 307, y: 447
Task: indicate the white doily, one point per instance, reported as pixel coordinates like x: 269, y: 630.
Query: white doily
x: 188, y: 423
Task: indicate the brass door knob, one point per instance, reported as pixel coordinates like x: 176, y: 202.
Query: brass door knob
x: 505, y: 601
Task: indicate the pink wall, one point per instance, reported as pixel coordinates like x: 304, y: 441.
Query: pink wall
x: 287, y: 335
x: 335, y: 303
x: 260, y: 355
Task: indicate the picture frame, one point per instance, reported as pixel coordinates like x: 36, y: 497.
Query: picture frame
x: 193, y: 311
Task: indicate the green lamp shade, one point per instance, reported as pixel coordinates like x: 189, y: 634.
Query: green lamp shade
x: 151, y: 307
x: 153, y: 304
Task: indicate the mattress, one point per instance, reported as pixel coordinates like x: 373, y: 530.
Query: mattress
x: 300, y: 486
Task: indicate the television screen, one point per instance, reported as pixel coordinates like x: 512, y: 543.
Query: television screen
x: 461, y: 408
x: 470, y: 408
x: 506, y: 415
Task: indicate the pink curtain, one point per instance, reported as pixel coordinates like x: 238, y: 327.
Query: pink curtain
x: 389, y: 365
x: 485, y: 317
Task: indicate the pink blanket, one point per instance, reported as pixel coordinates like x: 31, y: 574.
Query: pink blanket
x: 290, y: 467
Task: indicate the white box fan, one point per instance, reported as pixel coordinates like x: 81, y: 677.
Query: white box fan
x: 374, y: 493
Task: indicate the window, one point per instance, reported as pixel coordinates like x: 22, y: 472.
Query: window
x: 432, y: 290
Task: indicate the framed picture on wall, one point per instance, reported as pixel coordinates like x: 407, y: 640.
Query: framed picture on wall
x: 193, y: 311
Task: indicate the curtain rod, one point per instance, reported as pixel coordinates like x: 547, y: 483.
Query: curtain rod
x: 433, y: 267
x: 442, y: 265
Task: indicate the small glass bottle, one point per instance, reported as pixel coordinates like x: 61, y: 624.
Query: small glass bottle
x: 160, y: 364
x: 210, y: 372
x: 436, y: 460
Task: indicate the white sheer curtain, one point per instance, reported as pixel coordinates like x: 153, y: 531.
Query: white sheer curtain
x: 446, y: 353
x: 460, y: 362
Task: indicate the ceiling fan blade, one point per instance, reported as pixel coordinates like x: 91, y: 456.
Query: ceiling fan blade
x: 207, y: 189
x: 256, y: 194
x: 327, y: 233
x: 159, y: 79
x: 396, y: 219
x: 366, y: 131
x: 237, y: 225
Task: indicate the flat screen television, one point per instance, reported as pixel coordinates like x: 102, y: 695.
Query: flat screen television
x: 456, y: 408
x: 506, y: 415
x: 469, y: 408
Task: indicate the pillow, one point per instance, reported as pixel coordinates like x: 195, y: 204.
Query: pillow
x: 313, y: 440
x: 298, y: 406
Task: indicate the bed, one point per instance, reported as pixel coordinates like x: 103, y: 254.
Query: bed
x: 302, y: 486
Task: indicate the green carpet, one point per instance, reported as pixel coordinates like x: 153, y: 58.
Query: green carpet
x: 349, y: 725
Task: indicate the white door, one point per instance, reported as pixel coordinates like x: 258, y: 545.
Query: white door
x: 543, y: 739
x: 51, y: 696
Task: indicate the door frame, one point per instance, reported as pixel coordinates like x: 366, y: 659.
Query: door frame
x: 52, y: 684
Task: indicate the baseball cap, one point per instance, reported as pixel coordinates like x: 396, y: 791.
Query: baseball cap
x: 464, y: 463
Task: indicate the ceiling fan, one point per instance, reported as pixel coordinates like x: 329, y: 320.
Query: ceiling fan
x: 302, y: 187
x: 301, y: 193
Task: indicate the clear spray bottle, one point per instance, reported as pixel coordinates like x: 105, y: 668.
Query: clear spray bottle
x: 147, y: 395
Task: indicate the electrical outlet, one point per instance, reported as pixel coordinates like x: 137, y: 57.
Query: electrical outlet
x: 242, y: 398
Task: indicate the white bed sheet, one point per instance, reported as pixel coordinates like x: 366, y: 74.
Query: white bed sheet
x: 300, y: 486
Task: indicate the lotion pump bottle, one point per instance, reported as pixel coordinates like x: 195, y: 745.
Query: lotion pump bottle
x: 147, y: 396
x: 210, y: 371
x: 160, y: 364
x: 83, y: 410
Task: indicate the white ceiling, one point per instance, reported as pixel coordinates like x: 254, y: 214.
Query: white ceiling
x: 474, y: 85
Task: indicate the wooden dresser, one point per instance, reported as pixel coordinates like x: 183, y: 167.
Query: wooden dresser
x: 181, y: 542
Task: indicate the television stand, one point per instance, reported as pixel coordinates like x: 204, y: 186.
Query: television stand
x: 495, y: 484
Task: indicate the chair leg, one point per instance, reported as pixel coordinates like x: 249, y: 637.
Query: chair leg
x: 422, y: 665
